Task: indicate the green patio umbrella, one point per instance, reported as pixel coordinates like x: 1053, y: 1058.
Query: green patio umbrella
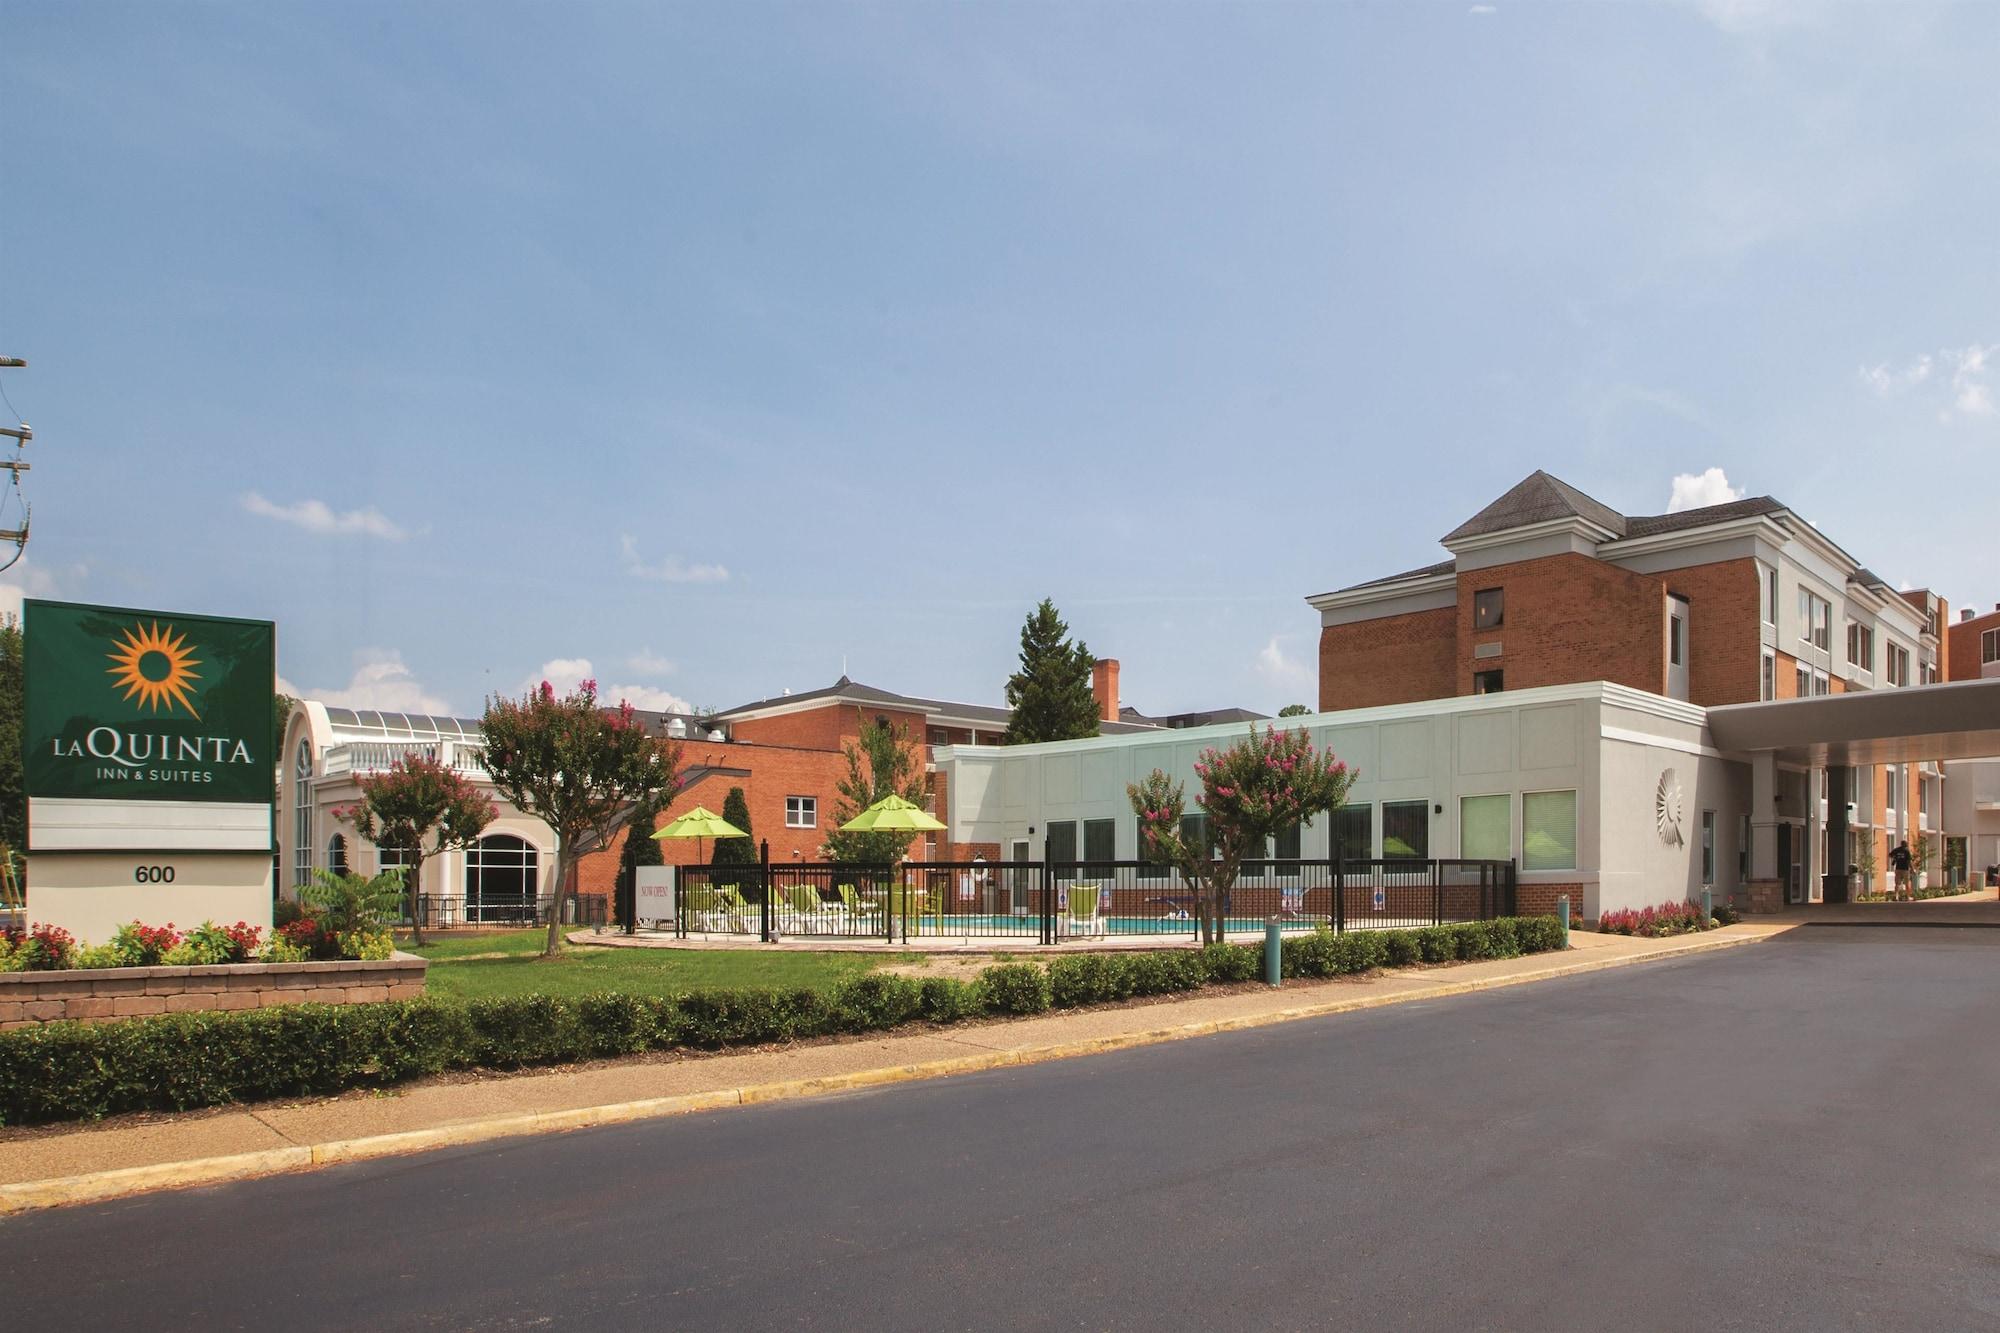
x: 699, y: 823
x: 893, y: 814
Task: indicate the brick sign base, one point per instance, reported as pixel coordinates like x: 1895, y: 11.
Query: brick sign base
x: 98, y: 994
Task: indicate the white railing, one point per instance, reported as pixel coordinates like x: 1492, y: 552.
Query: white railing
x: 376, y: 756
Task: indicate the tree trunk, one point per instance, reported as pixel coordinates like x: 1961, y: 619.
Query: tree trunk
x: 554, y: 946
x: 414, y: 886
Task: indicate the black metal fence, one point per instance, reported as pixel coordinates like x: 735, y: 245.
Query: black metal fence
x: 1048, y: 902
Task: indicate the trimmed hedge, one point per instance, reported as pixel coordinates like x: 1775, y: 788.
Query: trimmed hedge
x: 70, y: 1070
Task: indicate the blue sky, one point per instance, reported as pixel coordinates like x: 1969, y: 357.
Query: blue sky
x: 716, y: 346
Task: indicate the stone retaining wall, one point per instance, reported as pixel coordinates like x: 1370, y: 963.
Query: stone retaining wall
x: 134, y: 992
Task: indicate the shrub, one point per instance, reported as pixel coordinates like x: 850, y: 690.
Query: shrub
x: 1090, y: 978
x: 1232, y: 962
x: 877, y: 1000
x: 943, y: 1000
x: 1016, y: 988
x: 1538, y: 934
x: 1436, y: 944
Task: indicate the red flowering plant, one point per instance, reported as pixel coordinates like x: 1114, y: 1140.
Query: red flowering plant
x: 143, y: 946
x: 1666, y: 919
x: 40, y: 948
x: 1250, y: 792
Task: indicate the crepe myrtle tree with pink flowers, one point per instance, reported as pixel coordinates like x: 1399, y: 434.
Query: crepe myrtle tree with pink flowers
x: 578, y: 767
x: 1252, y: 790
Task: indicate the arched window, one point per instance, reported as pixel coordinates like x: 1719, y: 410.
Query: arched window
x: 336, y: 854
x: 302, y: 815
x: 502, y: 875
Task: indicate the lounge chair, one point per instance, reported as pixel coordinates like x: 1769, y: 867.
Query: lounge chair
x: 808, y: 913
x: 1084, y: 915
x: 732, y: 914
x: 856, y: 907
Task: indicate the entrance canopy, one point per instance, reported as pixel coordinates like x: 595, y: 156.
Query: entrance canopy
x: 1960, y: 720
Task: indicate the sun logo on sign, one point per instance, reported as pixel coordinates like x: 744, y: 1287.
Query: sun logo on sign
x: 155, y: 667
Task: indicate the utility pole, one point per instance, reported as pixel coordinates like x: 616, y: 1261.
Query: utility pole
x: 15, y: 465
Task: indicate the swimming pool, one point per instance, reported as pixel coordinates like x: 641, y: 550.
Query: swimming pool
x: 994, y: 924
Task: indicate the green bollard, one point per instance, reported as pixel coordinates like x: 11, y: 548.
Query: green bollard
x: 1562, y: 910
x: 1707, y: 907
x: 1274, y: 954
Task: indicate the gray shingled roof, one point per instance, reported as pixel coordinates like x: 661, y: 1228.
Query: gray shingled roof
x: 1651, y: 524
x: 849, y: 691
x: 1539, y: 498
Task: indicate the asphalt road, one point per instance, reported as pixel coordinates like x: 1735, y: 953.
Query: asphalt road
x: 1799, y: 1134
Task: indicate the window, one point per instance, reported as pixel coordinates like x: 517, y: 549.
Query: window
x: 1488, y: 607
x: 1194, y: 832
x: 1899, y: 665
x: 1353, y: 836
x: 1890, y: 775
x: 802, y: 812
x: 1676, y: 640
x: 502, y: 880
x: 1989, y: 646
x: 1286, y: 845
x: 1406, y: 830
x: 396, y: 858
x: 1485, y: 827
x: 1548, y: 830
x: 1743, y: 849
x: 1805, y: 682
x: 302, y: 815
x: 1820, y: 683
x: 1768, y: 684
x: 1861, y: 646
x: 1488, y: 682
x: 1062, y: 842
x: 1815, y: 619
x: 1708, y: 846
x: 336, y: 854
x: 1100, y: 839
x: 1771, y: 596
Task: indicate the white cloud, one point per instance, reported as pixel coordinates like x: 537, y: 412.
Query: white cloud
x: 1281, y: 669
x: 670, y: 570
x: 380, y: 680
x: 27, y: 580
x: 566, y: 673
x: 318, y: 516
x: 1962, y: 376
x: 649, y: 663
x: 1692, y: 490
x: 1971, y: 395
x: 1482, y: 9
x: 1753, y: 15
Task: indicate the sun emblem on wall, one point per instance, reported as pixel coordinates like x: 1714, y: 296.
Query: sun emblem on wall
x: 155, y: 667
x: 1667, y: 808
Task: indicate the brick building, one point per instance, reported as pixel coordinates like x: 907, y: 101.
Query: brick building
x: 786, y: 753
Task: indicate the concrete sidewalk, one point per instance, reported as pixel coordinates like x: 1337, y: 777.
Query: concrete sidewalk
x: 72, y: 1164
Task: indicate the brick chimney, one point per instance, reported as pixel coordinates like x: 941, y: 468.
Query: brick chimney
x: 1104, y: 684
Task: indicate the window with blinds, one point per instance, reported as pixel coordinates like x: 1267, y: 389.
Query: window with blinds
x: 1548, y: 830
x: 1485, y: 831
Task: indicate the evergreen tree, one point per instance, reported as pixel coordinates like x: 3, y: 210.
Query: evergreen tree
x: 13, y: 796
x: 1050, y: 694
x: 1294, y: 710
x: 884, y: 762
x: 735, y: 851
x: 641, y: 849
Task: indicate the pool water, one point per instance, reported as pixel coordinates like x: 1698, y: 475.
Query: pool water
x: 993, y: 924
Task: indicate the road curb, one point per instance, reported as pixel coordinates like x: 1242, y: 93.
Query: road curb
x: 98, y: 1186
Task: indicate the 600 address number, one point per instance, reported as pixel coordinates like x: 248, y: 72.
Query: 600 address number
x: 152, y: 874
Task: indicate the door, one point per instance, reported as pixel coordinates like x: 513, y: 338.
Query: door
x: 502, y: 875
x: 1017, y: 879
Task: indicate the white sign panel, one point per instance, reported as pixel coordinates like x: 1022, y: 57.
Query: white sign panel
x: 653, y: 899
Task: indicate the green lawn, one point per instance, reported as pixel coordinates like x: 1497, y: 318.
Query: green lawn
x: 477, y: 966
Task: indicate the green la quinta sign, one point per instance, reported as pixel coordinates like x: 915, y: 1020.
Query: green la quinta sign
x: 147, y: 705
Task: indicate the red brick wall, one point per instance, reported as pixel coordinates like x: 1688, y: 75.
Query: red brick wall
x: 1567, y: 618
x: 1724, y: 609
x: 1391, y: 660
x: 1960, y: 651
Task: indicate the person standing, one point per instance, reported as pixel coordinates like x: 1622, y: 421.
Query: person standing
x: 1899, y: 861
